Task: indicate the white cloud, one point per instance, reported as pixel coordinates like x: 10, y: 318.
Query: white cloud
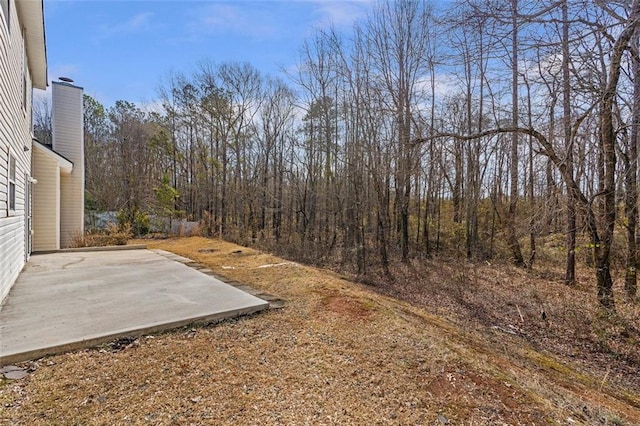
x: 230, y: 19
x: 223, y: 16
x: 273, y: 19
x: 151, y: 106
x: 342, y: 14
x: 137, y: 23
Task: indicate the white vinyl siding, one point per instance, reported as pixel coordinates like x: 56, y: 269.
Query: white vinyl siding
x: 25, y: 89
x: 46, y: 202
x: 68, y: 137
x: 15, y: 135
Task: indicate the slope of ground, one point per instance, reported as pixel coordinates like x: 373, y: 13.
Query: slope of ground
x: 535, y: 306
x: 337, y: 353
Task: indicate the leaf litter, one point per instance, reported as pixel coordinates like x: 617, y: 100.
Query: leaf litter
x: 337, y: 353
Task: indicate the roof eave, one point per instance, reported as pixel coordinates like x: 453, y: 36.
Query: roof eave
x: 65, y: 165
x: 31, y: 14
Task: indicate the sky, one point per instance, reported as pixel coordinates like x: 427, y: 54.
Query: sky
x: 124, y: 49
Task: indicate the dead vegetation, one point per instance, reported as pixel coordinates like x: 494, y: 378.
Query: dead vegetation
x: 537, y: 307
x: 340, y: 353
x: 114, y: 235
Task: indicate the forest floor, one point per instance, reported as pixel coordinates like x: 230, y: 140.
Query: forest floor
x: 456, y: 344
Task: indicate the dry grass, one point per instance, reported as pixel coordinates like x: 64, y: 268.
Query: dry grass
x: 112, y: 236
x: 338, y: 353
x: 502, y: 297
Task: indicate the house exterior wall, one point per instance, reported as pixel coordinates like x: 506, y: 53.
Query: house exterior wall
x: 46, y: 203
x: 68, y: 141
x: 15, y: 135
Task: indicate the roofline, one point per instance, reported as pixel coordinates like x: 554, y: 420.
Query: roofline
x: 65, y: 165
x: 64, y: 83
x: 31, y: 17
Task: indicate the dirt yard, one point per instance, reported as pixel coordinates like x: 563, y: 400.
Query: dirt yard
x: 337, y: 353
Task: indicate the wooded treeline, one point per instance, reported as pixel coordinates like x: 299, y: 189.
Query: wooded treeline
x: 470, y: 128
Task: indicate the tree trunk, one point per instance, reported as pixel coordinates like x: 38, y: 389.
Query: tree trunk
x: 570, y: 270
x: 608, y: 142
x: 631, y: 206
x: 603, y: 278
x: 510, y: 219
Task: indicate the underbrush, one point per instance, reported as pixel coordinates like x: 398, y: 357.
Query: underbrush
x: 535, y: 306
x: 492, y: 295
x: 113, y: 236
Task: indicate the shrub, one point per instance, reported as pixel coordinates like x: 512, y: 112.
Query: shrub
x: 137, y: 220
x: 113, y: 236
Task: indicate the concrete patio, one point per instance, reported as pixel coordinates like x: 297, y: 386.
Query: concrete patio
x: 70, y: 300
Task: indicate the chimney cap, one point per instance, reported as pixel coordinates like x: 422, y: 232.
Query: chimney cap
x: 65, y: 79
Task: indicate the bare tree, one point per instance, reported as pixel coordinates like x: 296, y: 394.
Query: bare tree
x: 42, y: 129
x: 399, y: 38
x: 570, y: 274
x: 631, y: 176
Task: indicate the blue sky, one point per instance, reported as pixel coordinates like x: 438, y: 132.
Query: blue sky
x: 119, y: 49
